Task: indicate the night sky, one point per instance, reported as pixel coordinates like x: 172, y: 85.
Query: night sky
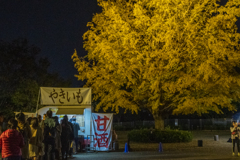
x: 55, y: 26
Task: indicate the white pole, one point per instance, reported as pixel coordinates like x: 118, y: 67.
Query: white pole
x: 91, y: 121
x: 112, y: 134
x: 37, y: 103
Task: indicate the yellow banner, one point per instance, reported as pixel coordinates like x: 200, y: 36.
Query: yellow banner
x: 66, y: 96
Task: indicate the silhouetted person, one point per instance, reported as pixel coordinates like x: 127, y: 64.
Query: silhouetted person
x: 3, y: 127
x: 29, y: 120
x: 11, y: 142
x: 235, y: 131
x: 25, y: 130
x: 49, y: 137
x: 41, y: 148
x: 71, y: 138
x: 35, y: 142
x: 57, y: 138
x: 65, y: 137
x: 39, y: 117
x: 76, y: 128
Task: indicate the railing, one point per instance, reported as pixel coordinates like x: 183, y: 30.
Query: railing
x: 183, y: 124
x: 133, y: 125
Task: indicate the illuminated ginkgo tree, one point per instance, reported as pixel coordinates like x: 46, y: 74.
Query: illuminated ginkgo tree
x: 169, y: 56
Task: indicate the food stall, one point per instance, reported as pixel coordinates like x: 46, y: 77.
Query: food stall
x: 83, y: 116
x: 70, y: 102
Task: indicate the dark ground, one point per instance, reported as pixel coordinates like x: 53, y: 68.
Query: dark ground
x: 211, y: 149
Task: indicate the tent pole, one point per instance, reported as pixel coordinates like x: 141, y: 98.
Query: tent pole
x: 37, y: 103
x: 91, y: 114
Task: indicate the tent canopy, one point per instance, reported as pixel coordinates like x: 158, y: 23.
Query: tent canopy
x: 70, y: 111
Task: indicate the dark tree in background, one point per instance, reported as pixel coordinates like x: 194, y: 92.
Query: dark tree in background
x: 22, y: 72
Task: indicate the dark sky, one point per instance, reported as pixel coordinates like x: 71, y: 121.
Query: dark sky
x: 55, y: 26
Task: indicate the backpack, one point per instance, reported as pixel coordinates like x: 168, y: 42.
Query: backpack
x: 71, y: 136
x: 66, y: 131
x: 49, y: 133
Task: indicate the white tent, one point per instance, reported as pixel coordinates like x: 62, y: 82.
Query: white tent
x: 68, y: 101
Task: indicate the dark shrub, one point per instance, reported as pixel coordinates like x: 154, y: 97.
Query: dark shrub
x: 164, y: 136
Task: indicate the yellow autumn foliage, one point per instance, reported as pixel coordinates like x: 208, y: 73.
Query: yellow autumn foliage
x: 169, y: 56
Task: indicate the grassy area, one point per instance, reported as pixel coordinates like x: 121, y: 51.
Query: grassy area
x: 122, y: 139
x: 206, y: 136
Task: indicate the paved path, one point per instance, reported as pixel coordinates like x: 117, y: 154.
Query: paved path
x: 152, y: 156
x: 213, y: 150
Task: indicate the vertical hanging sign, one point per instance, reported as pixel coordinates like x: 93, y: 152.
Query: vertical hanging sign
x: 101, y: 128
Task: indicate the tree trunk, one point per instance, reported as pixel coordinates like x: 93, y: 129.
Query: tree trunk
x: 159, y: 122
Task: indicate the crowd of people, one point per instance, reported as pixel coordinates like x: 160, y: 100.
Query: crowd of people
x: 38, y: 138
